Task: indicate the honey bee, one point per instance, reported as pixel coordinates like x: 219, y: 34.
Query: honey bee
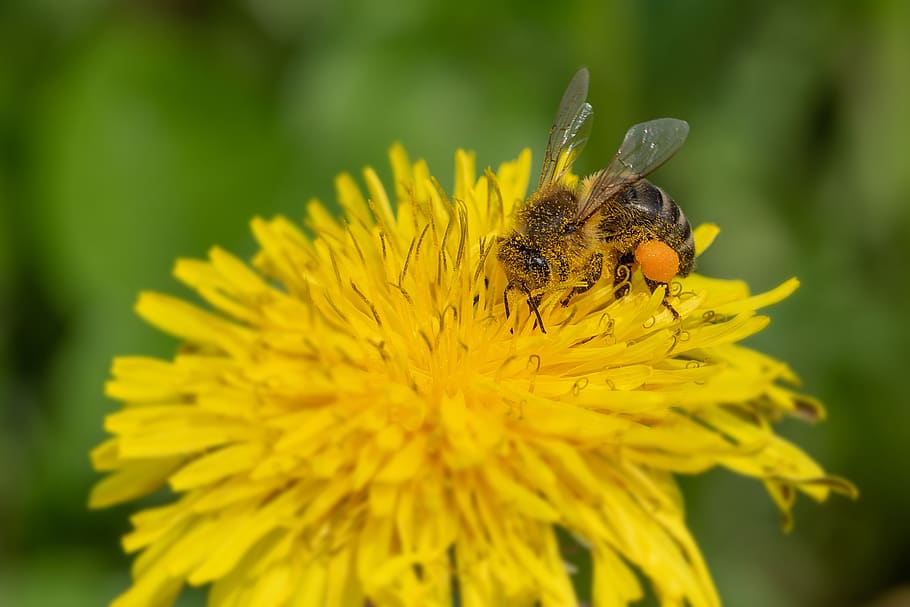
x: 564, y: 235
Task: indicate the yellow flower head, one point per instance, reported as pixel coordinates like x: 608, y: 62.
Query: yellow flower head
x: 355, y: 419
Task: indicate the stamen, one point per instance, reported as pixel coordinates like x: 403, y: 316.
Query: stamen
x: 443, y: 196
x: 611, y: 324
x: 579, y: 385
x: 382, y: 221
x: 380, y: 347
x: 686, y: 295
x: 420, y: 239
x: 442, y: 316
x: 482, y: 262
x: 334, y: 264
x: 462, y: 234
x: 407, y: 260
x: 443, y: 253
x: 508, y: 359
x: 403, y: 292
x: 355, y: 243
x: 494, y: 195
x: 572, y: 312
x: 536, y: 358
x: 335, y: 308
x: 426, y: 340
x: 369, y: 303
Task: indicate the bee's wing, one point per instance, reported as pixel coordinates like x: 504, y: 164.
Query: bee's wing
x: 645, y: 147
x: 569, y: 132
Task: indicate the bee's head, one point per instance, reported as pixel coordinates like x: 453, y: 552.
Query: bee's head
x: 526, y: 266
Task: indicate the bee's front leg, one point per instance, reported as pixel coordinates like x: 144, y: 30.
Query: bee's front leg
x: 534, y: 304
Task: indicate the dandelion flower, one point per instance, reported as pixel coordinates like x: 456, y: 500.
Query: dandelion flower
x: 352, y: 419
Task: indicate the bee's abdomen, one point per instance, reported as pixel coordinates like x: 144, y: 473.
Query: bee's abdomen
x: 682, y: 231
x: 649, y: 199
x: 643, y: 196
x: 666, y: 217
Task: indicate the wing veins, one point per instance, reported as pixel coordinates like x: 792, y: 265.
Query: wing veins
x: 644, y: 149
x: 569, y: 132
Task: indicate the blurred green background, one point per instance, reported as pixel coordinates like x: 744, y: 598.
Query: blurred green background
x: 132, y: 133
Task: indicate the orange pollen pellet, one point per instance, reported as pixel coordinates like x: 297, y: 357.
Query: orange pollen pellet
x: 659, y: 262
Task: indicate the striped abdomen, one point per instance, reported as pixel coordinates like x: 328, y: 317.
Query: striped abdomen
x: 643, y: 211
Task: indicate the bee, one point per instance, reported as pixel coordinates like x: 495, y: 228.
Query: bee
x: 563, y: 236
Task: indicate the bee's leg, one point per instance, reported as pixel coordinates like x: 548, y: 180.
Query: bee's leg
x: 533, y: 303
x: 622, y: 275
x: 653, y: 284
x: 591, y: 276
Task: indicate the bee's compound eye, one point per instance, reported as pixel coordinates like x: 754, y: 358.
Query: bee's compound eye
x: 536, y: 263
x: 659, y: 262
x: 538, y: 267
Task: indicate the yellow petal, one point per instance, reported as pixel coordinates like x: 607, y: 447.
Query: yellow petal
x: 704, y: 235
x: 216, y: 465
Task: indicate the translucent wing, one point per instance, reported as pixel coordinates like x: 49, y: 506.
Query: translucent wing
x: 645, y: 147
x: 569, y: 132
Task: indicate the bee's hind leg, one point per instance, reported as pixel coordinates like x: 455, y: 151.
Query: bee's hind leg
x: 592, y: 275
x: 653, y: 284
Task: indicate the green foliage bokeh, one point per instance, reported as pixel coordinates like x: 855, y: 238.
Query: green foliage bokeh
x: 135, y: 133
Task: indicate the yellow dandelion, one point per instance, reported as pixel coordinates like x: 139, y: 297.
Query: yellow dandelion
x: 353, y: 420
